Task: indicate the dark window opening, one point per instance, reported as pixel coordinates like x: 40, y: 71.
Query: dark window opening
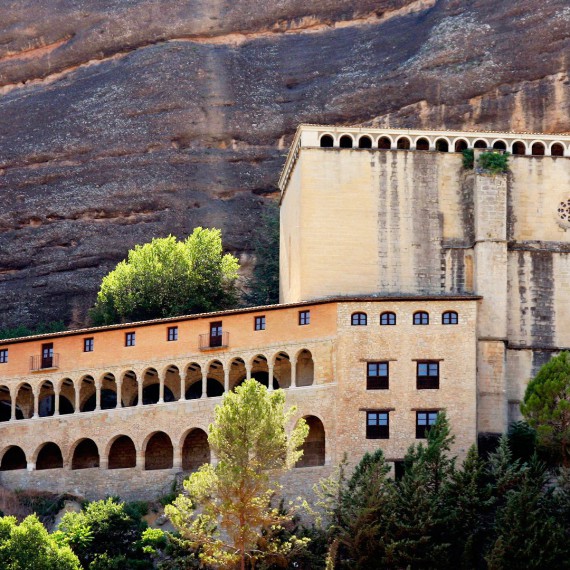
x: 377, y: 425
x: 172, y: 334
x: 399, y: 469
x: 259, y: 323
x: 384, y: 143
x: 480, y: 144
x: 47, y: 355
x: 519, y: 148
x: 424, y: 421
x: 421, y: 318
x: 327, y: 141
x: 130, y: 339
x: 216, y: 334
x: 4, y: 356
x: 377, y: 376
x: 427, y: 375
x: 537, y: 149
x: 461, y: 145
x: 365, y: 142
x: 304, y: 317
x: 358, y: 319
x: 441, y: 145
x: 450, y: 318
x: 403, y: 143
x: 500, y: 145
x: 557, y: 150
x: 345, y: 141
x: 388, y: 318
x: 422, y: 144
x: 88, y: 344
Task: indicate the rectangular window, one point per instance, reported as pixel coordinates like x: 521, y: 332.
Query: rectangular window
x: 304, y: 317
x: 377, y: 425
x: 47, y: 355
x: 259, y: 323
x: 399, y: 469
x: 216, y: 334
x: 424, y: 420
x: 377, y: 376
x: 4, y: 356
x: 172, y: 333
x: 427, y: 375
x: 88, y: 345
x: 130, y: 339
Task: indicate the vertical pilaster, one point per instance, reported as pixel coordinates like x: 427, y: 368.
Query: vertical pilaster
x: 119, y: 394
x: 270, y: 379
x: 56, y: 402
x: 293, y: 373
x: 97, y: 396
x: 204, y: 384
x: 161, y: 378
x: 227, y: 378
x: 36, y: 398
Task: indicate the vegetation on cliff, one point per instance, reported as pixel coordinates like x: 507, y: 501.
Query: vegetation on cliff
x: 167, y: 277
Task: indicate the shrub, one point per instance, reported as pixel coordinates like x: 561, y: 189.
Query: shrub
x: 468, y: 158
x: 494, y: 162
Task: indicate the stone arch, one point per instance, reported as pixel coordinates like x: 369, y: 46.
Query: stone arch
x: 314, y: 447
x: 66, y: 389
x: 260, y: 370
x: 238, y: 371
x: 172, y: 381
x: 385, y: 143
x: 25, y: 400
x: 158, y: 451
x: 195, y: 449
x: 84, y: 454
x: 192, y: 380
x: 282, y: 369
x: 519, y: 147
x: 460, y: 145
x: 538, y: 148
x: 442, y: 144
x: 108, y: 385
x: 365, y: 142
x: 122, y: 453
x: 5, y: 404
x: 129, y: 388
x: 326, y: 141
x: 346, y: 141
x: 557, y: 149
x: 422, y: 143
x: 480, y: 143
x: 403, y: 143
x: 46, y: 399
x: 499, y: 144
x: 48, y: 456
x: 13, y: 458
x: 305, y: 368
x: 86, y: 392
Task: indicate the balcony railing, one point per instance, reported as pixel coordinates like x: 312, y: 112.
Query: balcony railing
x: 39, y: 362
x: 209, y: 342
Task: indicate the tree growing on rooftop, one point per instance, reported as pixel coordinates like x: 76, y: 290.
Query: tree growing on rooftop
x: 227, y: 514
x: 167, y: 277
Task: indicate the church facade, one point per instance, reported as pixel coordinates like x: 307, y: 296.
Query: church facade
x: 410, y: 284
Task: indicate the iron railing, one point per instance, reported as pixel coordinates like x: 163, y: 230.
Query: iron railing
x: 209, y: 342
x: 39, y: 362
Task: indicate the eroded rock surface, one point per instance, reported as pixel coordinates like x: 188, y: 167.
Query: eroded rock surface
x: 124, y: 120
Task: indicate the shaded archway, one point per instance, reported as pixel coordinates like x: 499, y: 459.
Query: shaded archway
x: 193, y: 381
x: 537, y: 149
x: 305, y: 368
x: 25, y: 401
x: 151, y: 388
x: 129, y: 389
x: 282, y: 369
x: 500, y: 145
x: 365, y: 142
x: 422, y: 144
x: 87, y: 394
x: 49, y: 457
x: 14, y: 458
x: 384, y: 143
x: 85, y: 455
x: 66, y: 396
x: 195, y: 450
x: 519, y: 148
x: 5, y: 404
x: 327, y: 141
x: 403, y: 143
x: 346, y: 141
x: 122, y: 454
x: 480, y: 144
x: 461, y: 145
x: 441, y: 145
x: 159, y: 452
x: 172, y: 382
x: 557, y: 150
x: 314, y: 446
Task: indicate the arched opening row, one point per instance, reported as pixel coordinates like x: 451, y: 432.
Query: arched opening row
x: 129, y: 390
x: 535, y: 148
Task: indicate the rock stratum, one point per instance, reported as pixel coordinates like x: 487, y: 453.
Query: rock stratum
x: 125, y: 120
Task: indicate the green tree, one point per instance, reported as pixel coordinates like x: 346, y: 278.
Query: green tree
x: 28, y: 546
x: 167, y: 277
x: 546, y: 406
x: 494, y: 162
x: 228, y: 506
x: 264, y: 284
x: 105, y: 534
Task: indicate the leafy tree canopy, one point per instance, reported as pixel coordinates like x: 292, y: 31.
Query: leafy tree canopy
x: 235, y: 524
x: 546, y: 405
x: 167, y: 277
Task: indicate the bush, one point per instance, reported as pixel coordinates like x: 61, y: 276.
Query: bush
x: 468, y: 158
x: 494, y: 162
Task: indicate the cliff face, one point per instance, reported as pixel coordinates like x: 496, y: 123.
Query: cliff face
x: 122, y: 121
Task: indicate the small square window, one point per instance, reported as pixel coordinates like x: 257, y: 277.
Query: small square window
x: 4, y: 356
x: 388, y: 318
x: 130, y: 339
x: 377, y: 425
x: 427, y: 375
x: 421, y: 318
x: 304, y: 317
x: 450, y: 318
x: 172, y: 334
x: 377, y: 376
x: 88, y: 344
x: 424, y: 420
x: 259, y: 323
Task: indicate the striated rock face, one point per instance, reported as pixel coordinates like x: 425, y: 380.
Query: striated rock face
x: 124, y: 120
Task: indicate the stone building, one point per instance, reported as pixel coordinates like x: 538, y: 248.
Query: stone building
x: 409, y: 286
